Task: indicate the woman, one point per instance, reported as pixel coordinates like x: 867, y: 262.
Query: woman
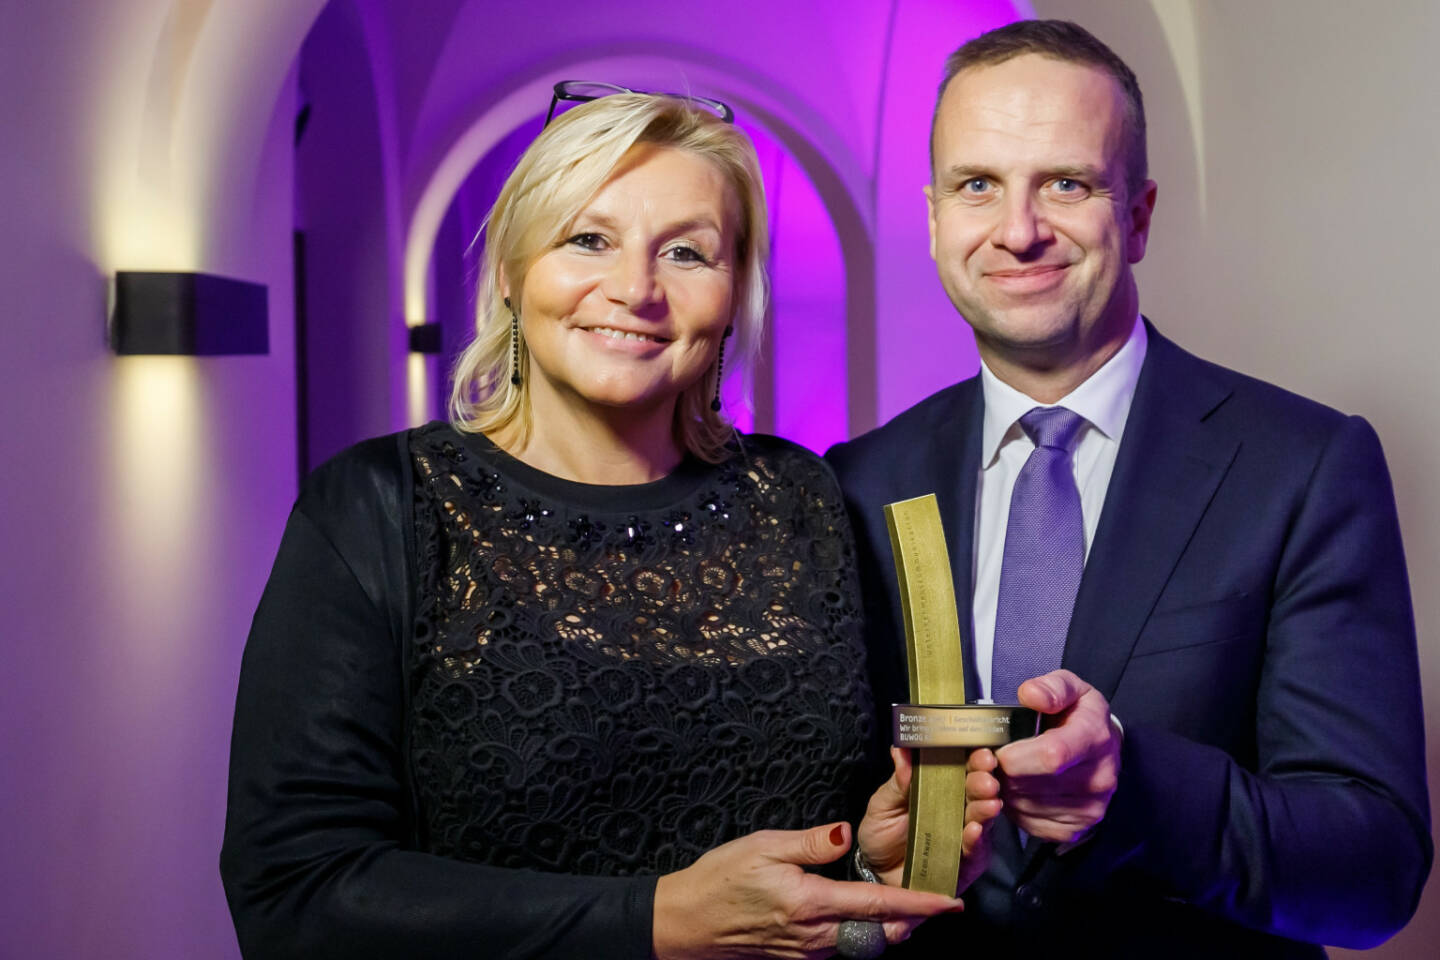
x: 580, y: 675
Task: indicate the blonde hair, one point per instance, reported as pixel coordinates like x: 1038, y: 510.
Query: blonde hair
x: 555, y: 178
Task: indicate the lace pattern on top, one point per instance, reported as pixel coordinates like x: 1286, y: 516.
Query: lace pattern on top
x: 614, y: 681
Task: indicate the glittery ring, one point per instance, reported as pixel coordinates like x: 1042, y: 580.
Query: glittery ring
x: 860, y: 940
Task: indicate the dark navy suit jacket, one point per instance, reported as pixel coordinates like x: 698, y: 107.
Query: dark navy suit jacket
x: 1246, y: 611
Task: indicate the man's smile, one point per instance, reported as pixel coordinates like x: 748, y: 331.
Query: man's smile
x: 1035, y: 278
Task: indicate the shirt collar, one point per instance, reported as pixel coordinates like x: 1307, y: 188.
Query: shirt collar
x: 1103, y: 399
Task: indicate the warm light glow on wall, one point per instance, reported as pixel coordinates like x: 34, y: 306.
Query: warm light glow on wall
x: 417, y: 389
x: 140, y: 231
x: 146, y: 216
x: 157, y: 431
x: 158, y: 482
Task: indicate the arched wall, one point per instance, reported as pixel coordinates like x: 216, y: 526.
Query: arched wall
x: 344, y: 330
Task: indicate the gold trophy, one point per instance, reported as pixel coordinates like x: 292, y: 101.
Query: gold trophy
x: 937, y: 724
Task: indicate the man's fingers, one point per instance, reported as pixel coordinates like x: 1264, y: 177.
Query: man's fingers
x: 1083, y: 734
x: 1084, y: 810
x: 1057, y: 816
x: 1057, y: 785
x: 1026, y: 794
x: 1056, y: 830
x: 1051, y: 753
x: 1052, y: 692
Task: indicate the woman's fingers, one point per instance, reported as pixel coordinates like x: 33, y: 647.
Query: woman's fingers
x: 882, y: 833
x: 982, y: 794
x: 904, y: 768
x: 982, y: 758
x: 753, y: 896
x: 983, y: 811
x: 823, y: 844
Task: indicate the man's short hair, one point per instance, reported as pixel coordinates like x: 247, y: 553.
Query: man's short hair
x: 1058, y: 40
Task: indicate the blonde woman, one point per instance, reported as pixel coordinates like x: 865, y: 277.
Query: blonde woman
x: 578, y: 674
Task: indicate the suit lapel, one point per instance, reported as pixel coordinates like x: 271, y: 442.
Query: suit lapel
x: 1166, y: 472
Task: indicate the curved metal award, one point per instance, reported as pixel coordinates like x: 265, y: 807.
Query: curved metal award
x: 937, y: 724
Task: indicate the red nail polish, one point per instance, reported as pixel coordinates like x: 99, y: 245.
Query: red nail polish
x: 837, y: 835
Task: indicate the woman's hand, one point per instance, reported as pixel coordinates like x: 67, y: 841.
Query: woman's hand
x: 882, y: 833
x: 751, y: 897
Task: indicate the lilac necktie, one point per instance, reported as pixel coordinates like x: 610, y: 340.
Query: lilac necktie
x: 1044, y: 556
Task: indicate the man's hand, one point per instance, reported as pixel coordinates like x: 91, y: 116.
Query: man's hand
x: 883, y: 832
x: 1057, y: 786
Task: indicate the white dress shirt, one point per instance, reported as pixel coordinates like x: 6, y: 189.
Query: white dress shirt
x: 1104, y: 401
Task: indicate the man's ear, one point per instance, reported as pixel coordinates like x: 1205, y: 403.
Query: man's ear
x: 930, y: 216
x: 1142, y: 207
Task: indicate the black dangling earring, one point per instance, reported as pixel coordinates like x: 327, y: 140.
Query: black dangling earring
x: 514, y: 344
x: 720, y: 369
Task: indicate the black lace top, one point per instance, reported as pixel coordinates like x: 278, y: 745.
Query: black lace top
x: 482, y: 709
x: 613, y: 680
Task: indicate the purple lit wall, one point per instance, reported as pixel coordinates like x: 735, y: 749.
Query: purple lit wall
x: 339, y: 183
x: 827, y: 114
x: 805, y: 363
x: 141, y: 499
x: 841, y: 134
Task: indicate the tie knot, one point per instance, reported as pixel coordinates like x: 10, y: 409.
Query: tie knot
x: 1053, y: 427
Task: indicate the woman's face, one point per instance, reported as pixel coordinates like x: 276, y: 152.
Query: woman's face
x: 630, y: 307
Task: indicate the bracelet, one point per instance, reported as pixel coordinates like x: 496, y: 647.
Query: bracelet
x: 863, y: 868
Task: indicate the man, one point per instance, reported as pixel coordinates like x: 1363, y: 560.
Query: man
x: 1233, y: 758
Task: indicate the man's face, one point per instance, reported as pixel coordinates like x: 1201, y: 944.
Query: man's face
x: 1032, y: 226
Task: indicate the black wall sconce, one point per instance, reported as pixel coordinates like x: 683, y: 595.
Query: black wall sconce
x: 426, y: 338
x: 195, y: 314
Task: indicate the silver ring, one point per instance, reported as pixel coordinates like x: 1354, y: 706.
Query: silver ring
x: 860, y: 940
